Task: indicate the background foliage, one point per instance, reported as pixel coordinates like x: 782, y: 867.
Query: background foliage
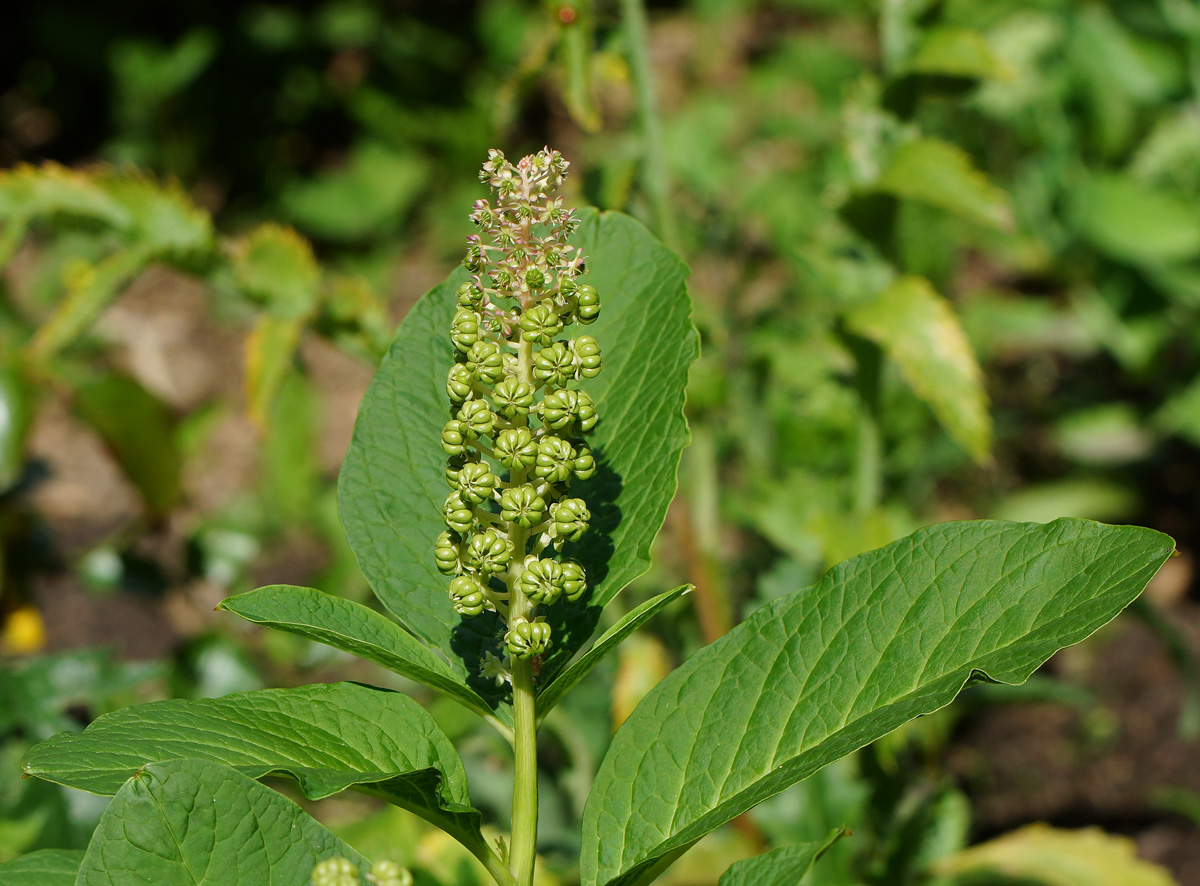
x: 945, y: 257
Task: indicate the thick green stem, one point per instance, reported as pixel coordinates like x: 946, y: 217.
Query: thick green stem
x: 656, y: 174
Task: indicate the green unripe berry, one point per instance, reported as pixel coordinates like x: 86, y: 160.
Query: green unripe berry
x: 563, y: 409
x: 587, y: 304
x: 535, y: 279
x: 458, y: 514
x: 525, y: 639
x: 554, y: 365
x: 445, y: 553
x: 541, y: 581
x: 335, y: 872
x: 574, y: 581
x: 455, y: 436
x: 522, y: 505
x: 470, y: 296
x: 466, y: 595
x: 584, y: 466
x: 489, y: 552
x: 464, y: 330
x: 587, y: 356
x: 460, y: 383
x: 540, y: 324
x: 476, y: 482
x: 389, y: 873
x: 485, y: 362
x: 515, y: 448
x: 477, y: 418
x: 555, y: 460
x: 571, y: 518
x: 513, y: 398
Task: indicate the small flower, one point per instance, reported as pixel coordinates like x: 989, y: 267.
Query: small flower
x: 495, y: 668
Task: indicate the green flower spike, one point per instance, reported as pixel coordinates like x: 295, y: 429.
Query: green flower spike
x: 458, y: 514
x: 526, y: 639
x: 574, y: 581
x: 335, y: 872
x: 476, y: 483
x: 466, y: 595
x: 541, y: 580
x: 522, y: 505
x: 571, y: 518
x: 489, y: 552
x: 513, y: 398
x: 515, y: 449
x: 554, y: 365
x: 555, y: 460
x: 445, y: 553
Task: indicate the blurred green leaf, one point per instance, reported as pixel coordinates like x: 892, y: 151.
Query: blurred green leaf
x: 1180, y: 414
x: 1093, y: 498
x: 274, y: 266
x: 16, y: 412
x: 140, y: 431
x: 936, y: 172
x: 957, y: 52
x: 917, y: 329
x: 270, y: 350
x: 46, y: 867
x: 1110, y: 434
x: 783, y: 866
x: 1054, y: 857
x: 1133, y: 222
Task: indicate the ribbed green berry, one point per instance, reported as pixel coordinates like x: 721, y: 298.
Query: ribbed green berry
x: 574, y: 581
x: 455, y: 436
x: 335, y: 872
x: 485, y: 362
x: 466, y: 595
x: 464, y: 330
x: 488, y: 552
x: 470, y: 296
x: 587, y: 304
x: 453, y: 466
x: 445, y: 553
x: 585, y: 411
x: 541, y: 580
x: 540, y: 324
x: 587, y: 356
x: 458, y: 514
x: 584, y: 466
x: 476, y: 482
x: 571, y: 518
x: 535, y: 279
x: 459, y: 383
x: 525, y: 639
x: 561, y: 410
x: 477, y: 418
x: 522, y: 505
x: 513, y: 398
x: 555, y: 460
x: 554, y: 365
x: 389, y: 873
x: 515, y: 448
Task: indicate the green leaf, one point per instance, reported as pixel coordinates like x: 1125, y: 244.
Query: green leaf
x: 328, y: 737
x: 140, y: 431
x: 1042, y: 854
x: 46, y: 867
x: 783, y: 866
x: 392, y: 484
x: 957, y: 52
x: 16, y: 412
x: 919, y: 330
x: 163, y: 218
x: 275, y: 266
x: 354, y: 628
x: 936, y: 172
x: 270, y: 350
x: 882, y: 638
x: 551, y: 693
x: 191, y: 822
x: 1133, y: 222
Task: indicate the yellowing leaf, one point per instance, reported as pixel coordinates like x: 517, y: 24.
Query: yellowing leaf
x: 270, y: 348
x: 917, y: 329
x: 941, y: 174
x: 275, y: 266
x: 1059, y: 858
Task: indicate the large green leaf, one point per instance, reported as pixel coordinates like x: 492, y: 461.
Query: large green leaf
x: 392, y: 484
x: 884, y: 637
x: 784, y: 866
x: 919, y: 330
x: 190, y: 822
x: 354, y: 628
x: 328, y: 737
x: 46, y: 867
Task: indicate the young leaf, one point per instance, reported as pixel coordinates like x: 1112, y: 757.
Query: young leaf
x: 882, y: 638
x: 191, y: 822
x: 354, y: 628
x: 1054, y: 857
x: 328, y: 737
x: 45, y: 867
x: 392, y: 486
x: 939, y: 173
x: 917, y: 328
x: 552, y: 692
x: 779, y: 867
